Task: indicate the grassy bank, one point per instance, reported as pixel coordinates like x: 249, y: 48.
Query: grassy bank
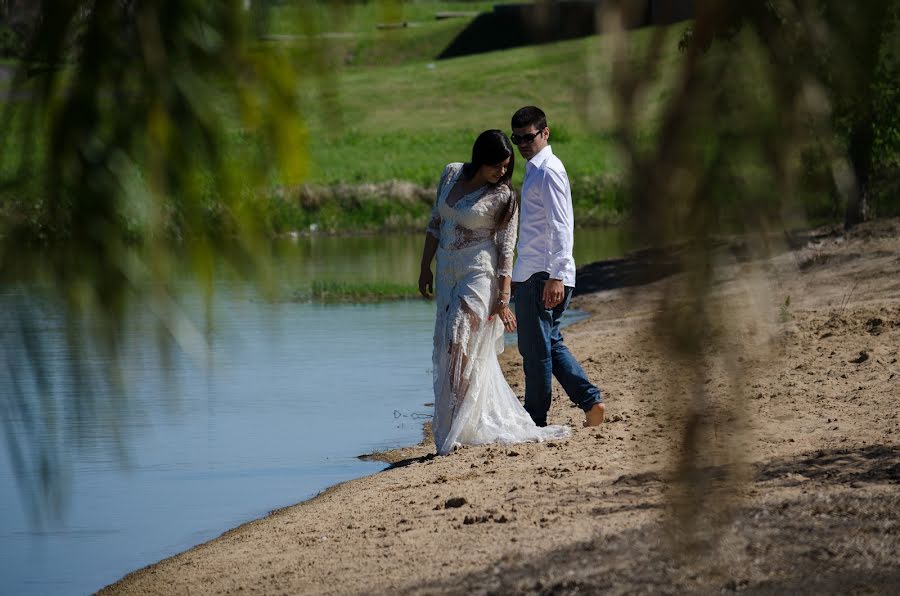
x: 379, y: 109
x: 403, y: 122
x: 383, y: 116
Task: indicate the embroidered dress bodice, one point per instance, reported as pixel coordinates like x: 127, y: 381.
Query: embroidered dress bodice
x: 484, y: 214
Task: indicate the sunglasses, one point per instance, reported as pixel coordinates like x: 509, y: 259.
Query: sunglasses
x: 525, y: 139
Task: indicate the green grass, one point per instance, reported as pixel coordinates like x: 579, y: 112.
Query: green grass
x: 349, y: 35
x: 410, y: 115
x: 406, y: 118
x: 378, y: 107
x: 406, y: 121
x: 362, y: 17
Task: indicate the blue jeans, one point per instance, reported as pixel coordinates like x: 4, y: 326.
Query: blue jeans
x: 544, y: 355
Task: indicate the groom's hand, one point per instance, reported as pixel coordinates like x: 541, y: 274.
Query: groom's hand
x: 553, y: 292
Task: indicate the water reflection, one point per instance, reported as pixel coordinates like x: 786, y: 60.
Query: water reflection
x: 396, y: 257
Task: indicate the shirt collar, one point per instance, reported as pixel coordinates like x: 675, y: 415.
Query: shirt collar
x: 540, y: 157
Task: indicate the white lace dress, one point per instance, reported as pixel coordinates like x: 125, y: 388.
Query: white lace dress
x: 473, y: 403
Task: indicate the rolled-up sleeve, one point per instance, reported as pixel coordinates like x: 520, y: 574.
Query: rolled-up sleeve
x: 558, y: 211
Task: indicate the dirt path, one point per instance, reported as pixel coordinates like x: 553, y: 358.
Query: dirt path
x: 788, y: 482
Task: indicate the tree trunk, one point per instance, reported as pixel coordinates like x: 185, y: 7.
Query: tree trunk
x: 867, y: 43
x: 862, y: 139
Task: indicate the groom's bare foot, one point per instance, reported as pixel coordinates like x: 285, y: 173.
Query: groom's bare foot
x: 594, y: 416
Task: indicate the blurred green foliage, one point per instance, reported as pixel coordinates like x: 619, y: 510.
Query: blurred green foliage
x: 11, y: 44
x: 138, y: 137
x: 846, y: 56
x: 766, y: 93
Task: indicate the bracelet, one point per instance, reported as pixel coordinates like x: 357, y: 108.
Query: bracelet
x: 502, y: 302
x: 503, y: 293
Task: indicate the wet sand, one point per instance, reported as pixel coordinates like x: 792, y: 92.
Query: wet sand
x: 773, y: 465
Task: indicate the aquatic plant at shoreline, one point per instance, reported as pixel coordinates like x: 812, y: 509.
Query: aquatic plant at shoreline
x: 329, y: 292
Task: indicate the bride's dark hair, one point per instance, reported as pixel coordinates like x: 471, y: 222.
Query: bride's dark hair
x: 490, y: 148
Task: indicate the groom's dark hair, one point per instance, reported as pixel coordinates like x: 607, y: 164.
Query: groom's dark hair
x: 529, y: 115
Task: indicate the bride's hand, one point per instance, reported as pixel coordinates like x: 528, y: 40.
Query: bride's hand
x: 426, y: 282
x: 506, y: 316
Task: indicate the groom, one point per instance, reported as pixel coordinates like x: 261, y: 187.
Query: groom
x: 544, y: 274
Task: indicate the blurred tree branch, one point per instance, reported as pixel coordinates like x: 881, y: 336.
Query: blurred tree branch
x: 760, y: 82
x: 849, y: 49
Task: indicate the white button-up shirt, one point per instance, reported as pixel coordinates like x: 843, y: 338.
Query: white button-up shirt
x: 546, y: 221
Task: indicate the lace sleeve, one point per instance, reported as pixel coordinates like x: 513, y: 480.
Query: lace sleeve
x: 507, y: 227
x: 434, y: 223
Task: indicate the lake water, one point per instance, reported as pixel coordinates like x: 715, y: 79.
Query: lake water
x: 287, y: 397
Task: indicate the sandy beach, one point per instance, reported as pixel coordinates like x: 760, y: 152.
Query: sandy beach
x: 771, y: 463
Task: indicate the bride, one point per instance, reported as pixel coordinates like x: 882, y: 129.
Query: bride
x: 472, y: 232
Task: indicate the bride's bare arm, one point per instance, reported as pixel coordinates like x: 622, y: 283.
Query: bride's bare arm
x: 426, y: 277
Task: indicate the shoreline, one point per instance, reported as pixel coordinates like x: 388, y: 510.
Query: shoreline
x: 810, y: 452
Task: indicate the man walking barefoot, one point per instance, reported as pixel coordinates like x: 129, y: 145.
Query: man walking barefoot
x: 544, y: 274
